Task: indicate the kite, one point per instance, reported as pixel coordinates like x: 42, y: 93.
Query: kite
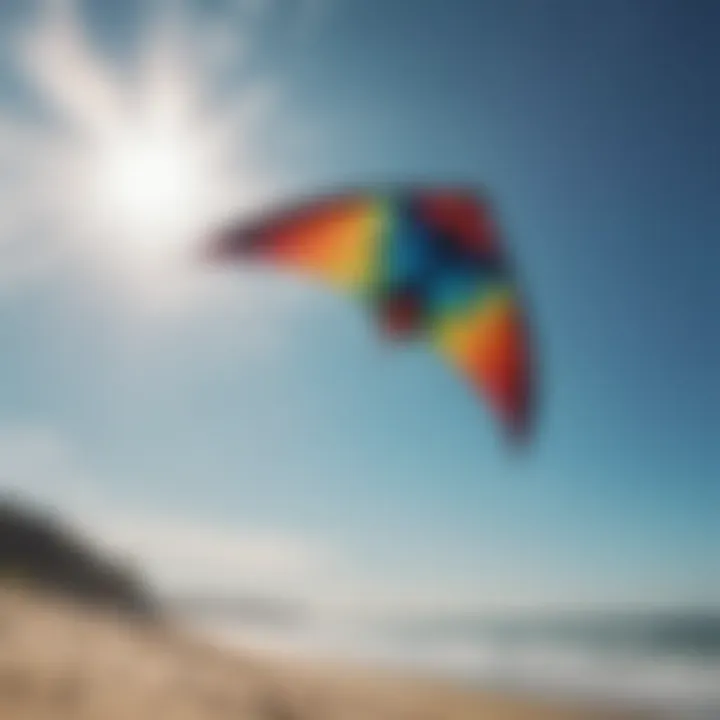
x: 428, y: 262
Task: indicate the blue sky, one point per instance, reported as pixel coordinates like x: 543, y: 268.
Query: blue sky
x: 263, y: 420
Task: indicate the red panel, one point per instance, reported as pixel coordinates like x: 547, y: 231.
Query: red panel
x: 462, y: 217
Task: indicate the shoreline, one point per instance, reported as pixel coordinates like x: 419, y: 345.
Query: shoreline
x: 57, y: 659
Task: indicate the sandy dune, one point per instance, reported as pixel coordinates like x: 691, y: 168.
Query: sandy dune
x: 59, y: 661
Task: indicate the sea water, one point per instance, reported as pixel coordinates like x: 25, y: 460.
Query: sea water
x: 668, y: 661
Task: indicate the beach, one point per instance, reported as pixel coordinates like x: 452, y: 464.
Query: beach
x: 63, y: 660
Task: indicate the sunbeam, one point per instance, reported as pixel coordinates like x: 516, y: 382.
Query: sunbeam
x: 133, y: 169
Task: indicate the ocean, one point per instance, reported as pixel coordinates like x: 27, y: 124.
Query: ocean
x: 666, y: 661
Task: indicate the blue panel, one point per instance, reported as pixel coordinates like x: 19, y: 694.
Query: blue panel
x: 408, y: 255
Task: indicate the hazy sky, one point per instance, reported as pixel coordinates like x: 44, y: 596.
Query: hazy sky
x: 249, y: 429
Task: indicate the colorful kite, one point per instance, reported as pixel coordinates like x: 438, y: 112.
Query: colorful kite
x: 428, y: 262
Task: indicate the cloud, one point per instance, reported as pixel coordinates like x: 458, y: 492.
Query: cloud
x: 178, y: 554
x: 187, y: 555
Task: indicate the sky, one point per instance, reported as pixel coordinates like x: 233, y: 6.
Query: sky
x: 241, y: 430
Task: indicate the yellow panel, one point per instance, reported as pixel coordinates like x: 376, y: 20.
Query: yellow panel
x: 339, y: 244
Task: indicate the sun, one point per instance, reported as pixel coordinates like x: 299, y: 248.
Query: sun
x: 148, y: 184
x: 142, y: 163
x: 152, y: 191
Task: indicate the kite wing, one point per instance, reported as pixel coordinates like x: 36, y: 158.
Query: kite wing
x: 487, y: 343
x: 428, y: 262
x: 336, y: 240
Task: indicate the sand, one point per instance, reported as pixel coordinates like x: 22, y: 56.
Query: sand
x: 61, y: 661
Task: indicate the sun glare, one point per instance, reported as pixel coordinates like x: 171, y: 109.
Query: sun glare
x: 151, y: 188
x: 148, y: 165
x: 154, y: 193
x: 146, y: 182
